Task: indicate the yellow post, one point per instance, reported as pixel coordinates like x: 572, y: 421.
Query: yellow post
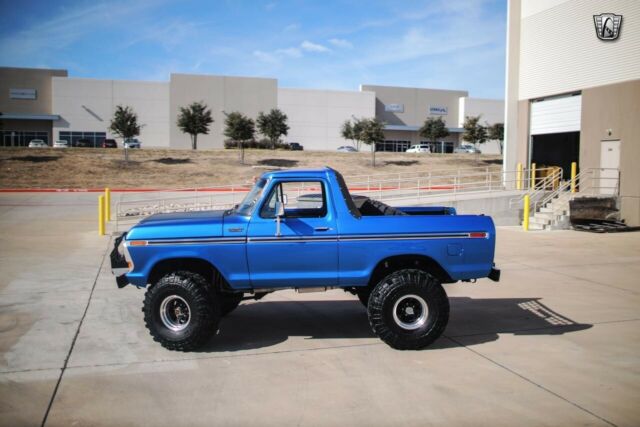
x: 532, y: 184
x: 101, y: 225
x: 574, y: 170
x: 107, y: 204
x: 519, y: 177
x: 525, y: 214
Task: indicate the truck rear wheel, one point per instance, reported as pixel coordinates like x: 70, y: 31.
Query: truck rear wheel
x: 408, y: 309
x: 180, y: 311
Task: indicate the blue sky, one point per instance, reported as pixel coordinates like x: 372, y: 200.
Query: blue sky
x: 448, y: 44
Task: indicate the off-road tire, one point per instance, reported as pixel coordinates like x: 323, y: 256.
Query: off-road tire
x: 229, y: 302
x: 204, y: 310
x: 409, y: 283
x: 383, y: 208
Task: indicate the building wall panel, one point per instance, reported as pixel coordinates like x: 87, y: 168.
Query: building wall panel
x: 560, y: 53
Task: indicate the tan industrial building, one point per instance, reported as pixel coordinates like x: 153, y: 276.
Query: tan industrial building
x: 59, y: 107
x: 572, y: 96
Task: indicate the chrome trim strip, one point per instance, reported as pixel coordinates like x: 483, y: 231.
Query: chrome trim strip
x: 424, y: 236
x: 198, y: 241
x: 308, y: 239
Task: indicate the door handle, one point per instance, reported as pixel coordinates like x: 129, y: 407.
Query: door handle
x: 323, y: 228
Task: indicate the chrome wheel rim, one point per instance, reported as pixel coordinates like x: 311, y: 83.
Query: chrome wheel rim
x: 410, y: 312
x: 175, y: 313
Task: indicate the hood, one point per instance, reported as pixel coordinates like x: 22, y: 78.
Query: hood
x: 179, y: 225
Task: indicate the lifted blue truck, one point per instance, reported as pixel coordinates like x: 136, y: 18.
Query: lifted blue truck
x: 301, y: 229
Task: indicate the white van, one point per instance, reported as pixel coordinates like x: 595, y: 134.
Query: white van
x: 419, y: 148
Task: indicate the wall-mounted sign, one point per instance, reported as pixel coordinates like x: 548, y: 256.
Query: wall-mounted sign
x: 437, y: 110
x: 22, y: 93
x: 394, y: 108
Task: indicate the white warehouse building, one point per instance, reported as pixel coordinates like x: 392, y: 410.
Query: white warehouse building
x: 49, y: 105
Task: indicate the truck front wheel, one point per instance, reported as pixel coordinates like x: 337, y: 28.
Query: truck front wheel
x: 180, y: 311
x: 408, y: 309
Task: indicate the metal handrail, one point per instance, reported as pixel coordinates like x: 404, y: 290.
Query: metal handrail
x: 540, y: 187
x: 424, y: 185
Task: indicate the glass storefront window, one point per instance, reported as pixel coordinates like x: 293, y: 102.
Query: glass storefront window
x: 95, y: 138
x: 395, y: 146
x: 18, y: 138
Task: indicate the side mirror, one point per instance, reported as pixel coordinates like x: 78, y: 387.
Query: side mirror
x: 279, y: 209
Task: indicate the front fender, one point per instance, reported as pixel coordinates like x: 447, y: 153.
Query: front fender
x: 230, y: 261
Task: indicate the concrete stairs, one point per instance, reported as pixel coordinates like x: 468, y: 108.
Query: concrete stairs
x: 553, y: 216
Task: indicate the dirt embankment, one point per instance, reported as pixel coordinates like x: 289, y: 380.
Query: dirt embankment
x: 157, y: 168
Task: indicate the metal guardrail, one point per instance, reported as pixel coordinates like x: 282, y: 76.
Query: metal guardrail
x: 418, y: 185
x: 589, y: 182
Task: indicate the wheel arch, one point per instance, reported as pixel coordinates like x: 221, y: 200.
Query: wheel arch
x: 192, y: 264
x: 398, y: 262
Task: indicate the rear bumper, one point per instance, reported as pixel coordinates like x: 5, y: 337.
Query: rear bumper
x: 119, y: 263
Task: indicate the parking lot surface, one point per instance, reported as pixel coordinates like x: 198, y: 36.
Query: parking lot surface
x: 556, y: 342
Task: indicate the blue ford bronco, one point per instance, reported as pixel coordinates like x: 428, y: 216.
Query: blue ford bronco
x: 301, y: 229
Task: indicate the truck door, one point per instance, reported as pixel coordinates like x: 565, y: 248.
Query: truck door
x: 305, y: 253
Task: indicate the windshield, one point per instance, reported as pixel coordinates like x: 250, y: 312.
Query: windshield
x: 249, y: 202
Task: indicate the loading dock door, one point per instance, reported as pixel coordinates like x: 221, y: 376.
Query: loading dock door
x: 555, y: 132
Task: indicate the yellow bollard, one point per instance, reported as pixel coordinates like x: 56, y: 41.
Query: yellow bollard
x: 525, y: 214
x: 532, y: 184
x: 101, y: 225
x: 519, y: 177
x: 107, y: 204
x: 574, y: 170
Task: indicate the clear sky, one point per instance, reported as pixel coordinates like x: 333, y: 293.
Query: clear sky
x: 330, y: 44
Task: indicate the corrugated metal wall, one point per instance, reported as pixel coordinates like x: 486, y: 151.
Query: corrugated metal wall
x: 560, y: 53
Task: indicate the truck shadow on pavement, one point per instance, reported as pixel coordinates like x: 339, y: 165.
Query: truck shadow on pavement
x: 474, y: 320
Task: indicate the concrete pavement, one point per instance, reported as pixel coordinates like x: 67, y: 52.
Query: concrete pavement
x: 556, y: 342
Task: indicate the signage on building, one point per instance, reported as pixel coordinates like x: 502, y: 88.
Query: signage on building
x: 436, y: 110
x: 394, y: 108
x: 22, y: 93
x: 607, y: 25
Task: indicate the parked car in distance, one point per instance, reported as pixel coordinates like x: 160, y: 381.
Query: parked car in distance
x: 131, y: 143
x: 294, y: 146
x: 109, y: 143
x: 467, y: 148
x: 84, y: 143
x: 347, y: 149
x: 419, y: 148
x: 61, y: 143
x: 37, y: 143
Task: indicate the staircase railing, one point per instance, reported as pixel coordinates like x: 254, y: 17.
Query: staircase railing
x: 589, y: 182
x: 539, y: 188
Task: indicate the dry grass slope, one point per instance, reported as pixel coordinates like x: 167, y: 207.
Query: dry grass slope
x: 156, y: 168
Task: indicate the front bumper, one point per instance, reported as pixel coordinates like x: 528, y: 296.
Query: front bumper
x: 119, y: 263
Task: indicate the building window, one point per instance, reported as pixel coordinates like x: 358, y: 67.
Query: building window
x: 95, y: 138
x: 395, y: 146
x: 19, y: 138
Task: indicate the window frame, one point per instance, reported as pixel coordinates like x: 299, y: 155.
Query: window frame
x: 324, y: 211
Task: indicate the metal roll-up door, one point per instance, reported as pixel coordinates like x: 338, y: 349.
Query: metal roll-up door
x: 556, y: 115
